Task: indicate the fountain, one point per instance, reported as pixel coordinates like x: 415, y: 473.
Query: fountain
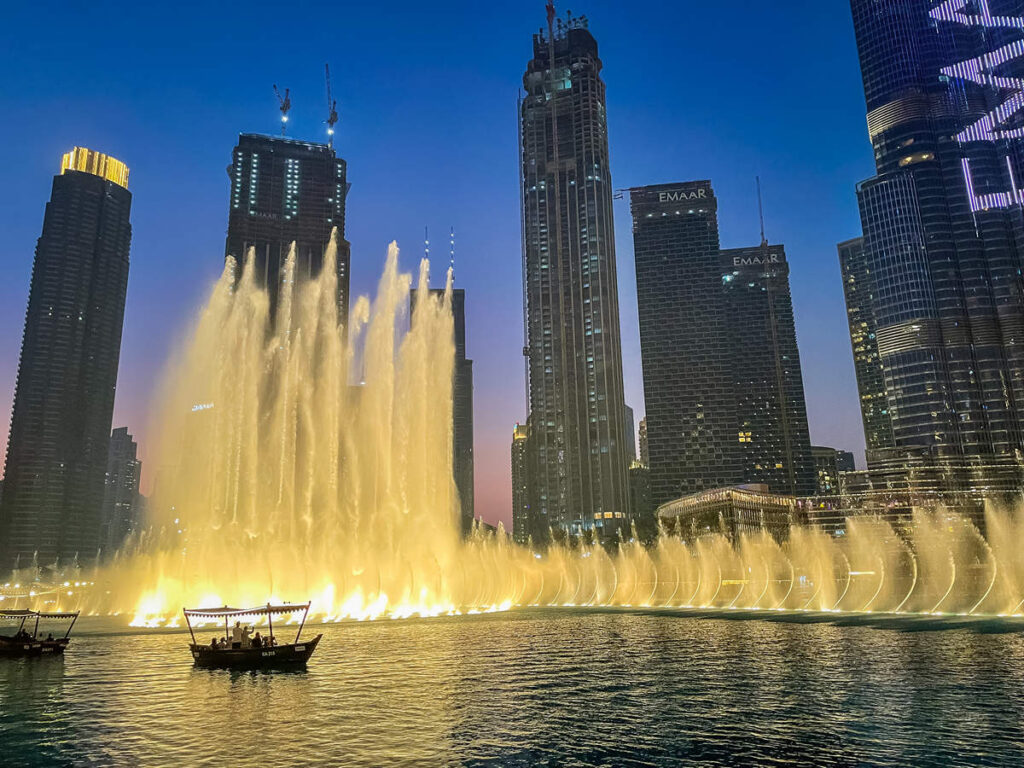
x: 279, y: 480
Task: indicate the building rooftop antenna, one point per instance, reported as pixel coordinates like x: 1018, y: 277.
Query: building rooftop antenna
x: 332, y: 108
x: 451, y: 253
x: 760, y: 211
x: 285, y: 103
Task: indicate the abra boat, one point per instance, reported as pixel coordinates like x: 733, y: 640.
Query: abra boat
x: 21, y: 643
x: 267, y: 655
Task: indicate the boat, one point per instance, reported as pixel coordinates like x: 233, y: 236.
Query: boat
x: 23, y: 644
x: 268, y: 655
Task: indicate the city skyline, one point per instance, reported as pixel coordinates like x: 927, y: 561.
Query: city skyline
x: 389, y: 199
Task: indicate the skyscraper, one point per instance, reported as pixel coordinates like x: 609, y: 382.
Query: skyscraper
x: 828, y: 463
x: 645, y: 456
x: 874, y: 407
x: 462, y: 405
x: 773, y: 436
x: 520, y: 484
x: 684, y: 344
x: 630, y: 436
x: 722, y: 377
x: 121, y: 500
x: 64, y: 400
x: 572, y: 314
x: 943, y: 226
x: 285, y: 191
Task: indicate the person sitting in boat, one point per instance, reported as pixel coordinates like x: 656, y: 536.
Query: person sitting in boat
x: 223, y: 644
x: 236, y: 635
x: 213, y: 644
x: 257, y: 641
x: 246, y: 640
x: 49, y: 637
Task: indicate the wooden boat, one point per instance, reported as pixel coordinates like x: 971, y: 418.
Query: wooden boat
x: 268, y: 655
x: 23, y: 644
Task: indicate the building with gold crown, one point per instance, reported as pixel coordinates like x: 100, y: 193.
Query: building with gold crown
x: 52, y: 505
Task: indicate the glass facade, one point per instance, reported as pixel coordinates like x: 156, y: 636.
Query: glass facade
x: 577, y: 409
x: 722, y: 378
x: 942, y: 221
x: 285, y: 191
x: 63, y: 403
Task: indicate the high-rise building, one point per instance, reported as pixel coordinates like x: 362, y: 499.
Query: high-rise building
x: 684, y: 344
x: 645, y: 455
x: 64, y: 400
x: 773, y: 436
x: 462, y: 405
x: 520, y: 484
x: 630, y: 435
x: 577, y: 414
x: 874, y: 407
x: 722, y: 378
x: 121, y: 502
x: 943, y: 229
x: 285, y: 191
x: 828, y: 463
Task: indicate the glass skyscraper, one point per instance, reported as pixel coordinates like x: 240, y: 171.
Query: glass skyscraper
x: 874, y: 407
x: 577, y: 418
x: 60, y: 427
x: 722, y: 378
x: 285, y: 191
x: 941, y: 269
x: 462, y: 405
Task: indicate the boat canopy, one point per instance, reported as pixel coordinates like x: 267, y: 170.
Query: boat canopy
x: 228, y: 612
x: 21, y: 614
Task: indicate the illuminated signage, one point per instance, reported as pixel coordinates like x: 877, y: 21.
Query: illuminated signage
x: 983, y: 70
x: 679, y: 195
x: 742, y: 261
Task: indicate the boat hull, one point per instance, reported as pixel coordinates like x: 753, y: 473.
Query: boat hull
x: 280, y: 656
x: 9, y: 647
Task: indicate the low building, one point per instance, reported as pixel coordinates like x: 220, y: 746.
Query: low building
x: 828, y: 463
x: 731, y: 512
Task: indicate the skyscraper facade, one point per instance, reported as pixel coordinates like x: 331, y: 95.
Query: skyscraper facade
x: 520, y: 484
x: 874, y: 407
x: 630, y: 436
x: 942, y: 222
x: 684, y: 344
x: 462, y: 405
x: 572, y: 314
x: 722, y: 378
x: 64, y: 399
x: 121, y: 501
x: 285, y: 191
x: 773, y: 436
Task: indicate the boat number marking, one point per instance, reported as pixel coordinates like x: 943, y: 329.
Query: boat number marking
x: 268, y: 653
x: 300, y: 647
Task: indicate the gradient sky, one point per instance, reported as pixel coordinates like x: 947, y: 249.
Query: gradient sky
x: 427, y: 96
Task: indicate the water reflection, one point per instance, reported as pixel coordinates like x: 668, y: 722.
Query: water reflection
x: 534, y: 688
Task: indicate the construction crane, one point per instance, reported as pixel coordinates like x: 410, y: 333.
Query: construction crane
x: 332, y: 111
x: 286, y: 104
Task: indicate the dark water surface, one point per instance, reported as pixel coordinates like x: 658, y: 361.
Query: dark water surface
x: 533, y: 688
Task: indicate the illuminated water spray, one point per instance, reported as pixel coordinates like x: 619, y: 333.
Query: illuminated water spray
x: 277, y: 479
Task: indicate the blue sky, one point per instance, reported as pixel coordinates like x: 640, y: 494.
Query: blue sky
x: 427, y: 96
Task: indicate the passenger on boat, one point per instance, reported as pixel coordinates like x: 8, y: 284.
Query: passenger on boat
x: 213, y: 644
x: 246, y: 641
x: 49, y: 637
x: 257, y: 642
x: 223, y: 644
x: 236, y: 635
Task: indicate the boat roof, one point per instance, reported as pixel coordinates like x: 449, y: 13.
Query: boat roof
x: 17, y: 614
x: 262, y: 610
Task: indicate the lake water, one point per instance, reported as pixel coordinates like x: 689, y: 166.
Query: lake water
x: 536, y: 688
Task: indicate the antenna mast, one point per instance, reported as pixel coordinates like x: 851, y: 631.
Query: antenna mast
x: 451, y: 262
x: 285, y: 103
x: 760, y: 211
x: 332, y: 110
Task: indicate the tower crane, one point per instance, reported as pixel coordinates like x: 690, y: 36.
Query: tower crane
x: 286, y: 104
x: 332, y: 111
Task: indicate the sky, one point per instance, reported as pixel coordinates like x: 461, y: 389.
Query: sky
x: 427, y: 97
